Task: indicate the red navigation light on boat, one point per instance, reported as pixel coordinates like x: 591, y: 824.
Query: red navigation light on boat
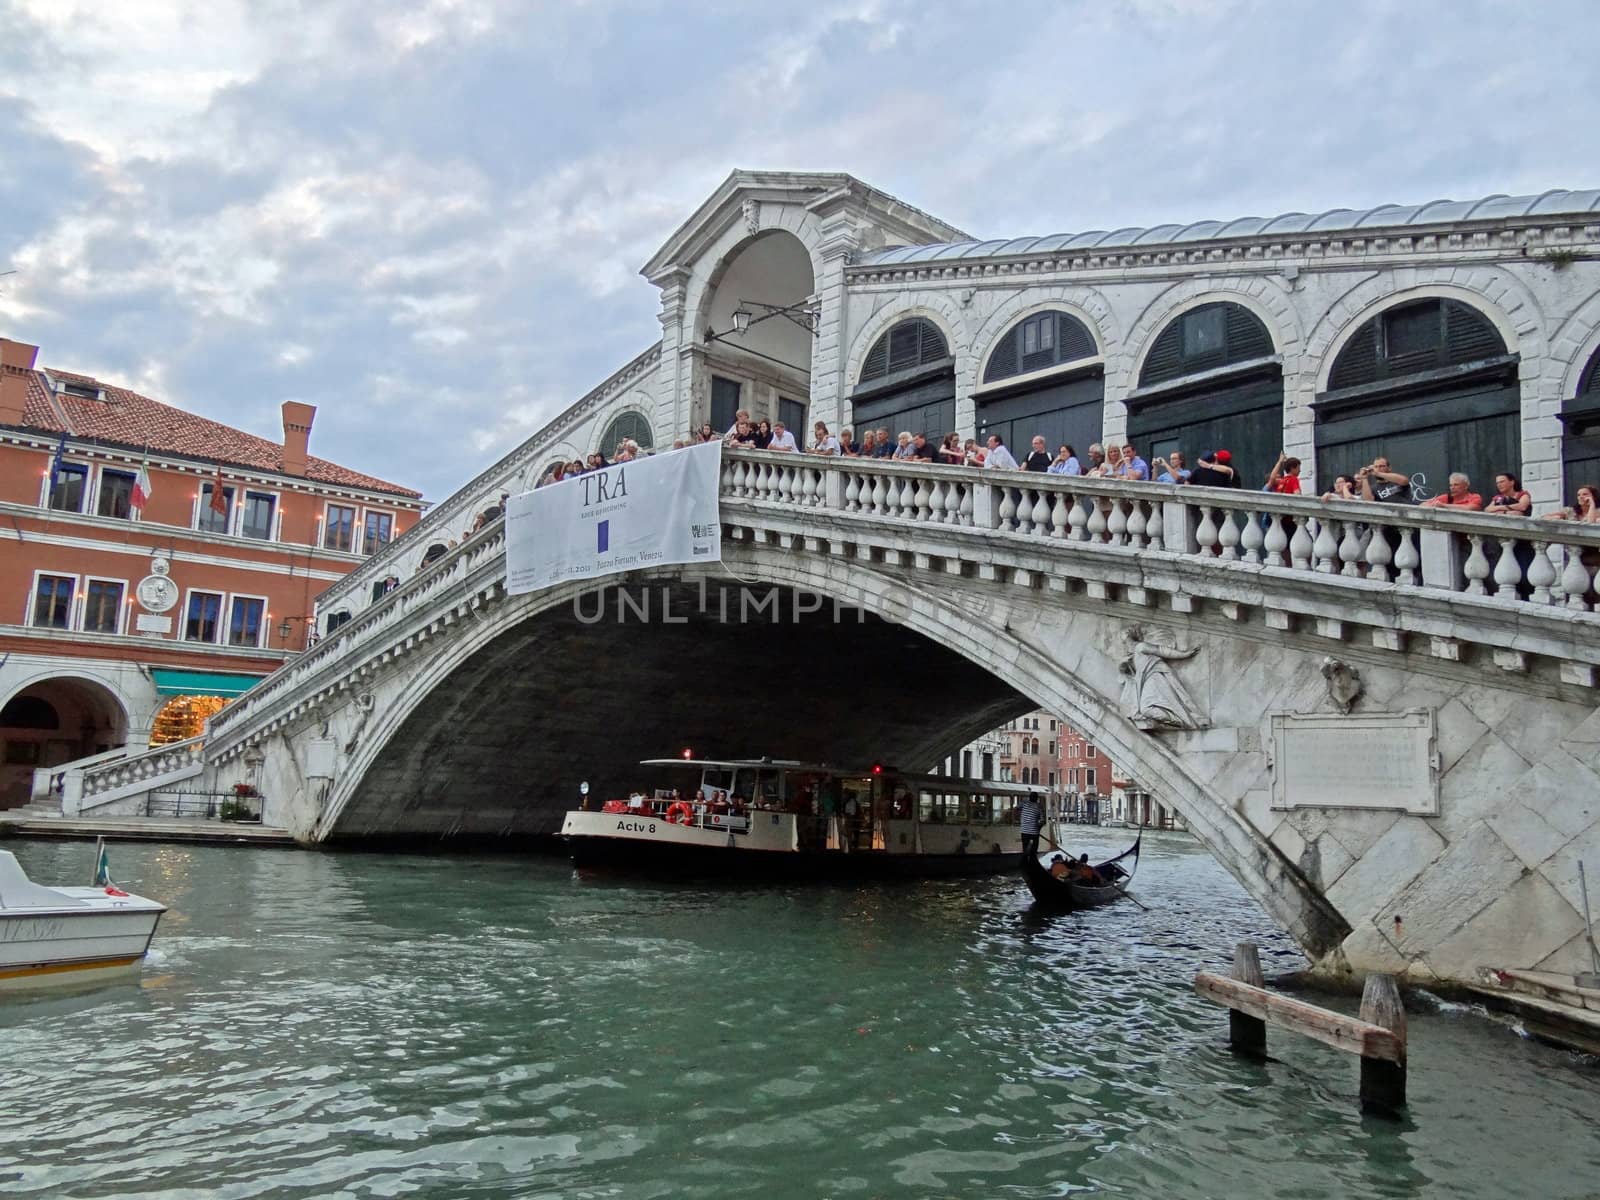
x: 877, y: 768
x: 688, y: 753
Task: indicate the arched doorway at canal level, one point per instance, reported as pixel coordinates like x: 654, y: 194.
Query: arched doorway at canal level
x: 1430, y: 385
x: 1211, y: 381
x: 1580, y: 445
x: 55, y: 721
x: 1044, y: 376
x: 908, y: 382
x: 755, y: 352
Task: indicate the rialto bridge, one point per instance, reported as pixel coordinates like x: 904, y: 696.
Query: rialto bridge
x: 1391, y: 739
x: 1387, y: 726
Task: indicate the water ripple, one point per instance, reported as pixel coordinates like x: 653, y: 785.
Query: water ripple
x: 316, y: 1025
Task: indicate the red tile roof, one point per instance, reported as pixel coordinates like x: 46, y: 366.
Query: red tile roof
x: 128, y: 419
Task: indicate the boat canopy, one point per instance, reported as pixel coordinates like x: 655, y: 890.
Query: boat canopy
x: 927, y: 782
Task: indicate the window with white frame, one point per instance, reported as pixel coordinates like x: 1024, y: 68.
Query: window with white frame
x: 102, y: 605
x: 116, y: 494
x: 257, y: 512
x: 1088, y: 750
x: 203, y: 618
x: 339, y: 528
x: 68, y: 486
x: 378, y: 532
x: 1088, y: 778
x: 1072, y: 779
x: 246, y: 620
x: 52, y: 600
x: 208, y: 519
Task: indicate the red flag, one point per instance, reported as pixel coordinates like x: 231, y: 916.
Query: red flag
x: 219, y: 502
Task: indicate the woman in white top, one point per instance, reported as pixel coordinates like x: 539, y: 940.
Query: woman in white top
x: 903, y: 447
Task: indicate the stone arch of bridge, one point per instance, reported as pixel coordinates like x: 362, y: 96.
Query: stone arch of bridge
x: 964, y: 668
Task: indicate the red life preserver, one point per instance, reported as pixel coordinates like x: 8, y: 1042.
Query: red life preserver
x: 678, y: 809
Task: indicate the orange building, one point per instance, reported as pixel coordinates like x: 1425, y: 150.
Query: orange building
x: 154, y: 564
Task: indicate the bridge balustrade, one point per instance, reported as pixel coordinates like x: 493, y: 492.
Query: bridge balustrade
x: 1516, y: 560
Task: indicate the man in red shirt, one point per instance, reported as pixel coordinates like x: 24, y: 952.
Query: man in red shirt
x: 1284, y: 477
x: 1460, y: 495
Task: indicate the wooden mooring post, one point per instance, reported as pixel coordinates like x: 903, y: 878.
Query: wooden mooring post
x: 1378, y: 1035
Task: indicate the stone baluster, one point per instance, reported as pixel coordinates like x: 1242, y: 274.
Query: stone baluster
x: 741, y: 471
x: 1024, y: 510
x: 852, y: 493
x: 1350, y: 549
x: 1008, y: 508
x: 1206, y: 533
x: 924, y: 500
x: 1228, y: 534
x: 1156, y: 524
x: 1301, y: 547
x: 1078, y: 515
x: 1407, y: 558
x: 1136, y: 524
x: 785, y: 488
x: 1378, y: 555
x: 1575, y: 579
x: 1326, y: 547
x: 1541, y: 574
x: 954, y: 497
x: 1041, y: 513
x: 808, y: 487
x: 1507, y: 571
x: 880, y: 496
x: 1059, y: 516
x: 1476, y: 568
x: 967, y: 515
x: 1116, y: 523
x: 1252, y: 536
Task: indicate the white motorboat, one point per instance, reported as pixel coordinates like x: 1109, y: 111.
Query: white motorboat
x: 69, y: 933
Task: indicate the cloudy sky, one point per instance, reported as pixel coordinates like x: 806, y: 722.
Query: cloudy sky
x: 427, y: 216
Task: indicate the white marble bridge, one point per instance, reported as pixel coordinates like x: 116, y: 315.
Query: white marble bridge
x: 1388, y: 731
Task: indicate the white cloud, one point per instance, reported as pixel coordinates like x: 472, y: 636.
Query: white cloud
x: 435, y: 209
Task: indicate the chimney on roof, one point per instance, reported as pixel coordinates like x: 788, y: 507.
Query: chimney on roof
x: 16, y: 358
x: 296, y: 434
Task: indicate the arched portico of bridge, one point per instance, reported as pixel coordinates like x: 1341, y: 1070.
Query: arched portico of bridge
x: 492, y: 735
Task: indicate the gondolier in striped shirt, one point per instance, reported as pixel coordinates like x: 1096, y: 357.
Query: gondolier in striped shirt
x: 1031, y: 815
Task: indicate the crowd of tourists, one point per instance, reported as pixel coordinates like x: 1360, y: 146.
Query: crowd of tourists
x: 1377, y: 482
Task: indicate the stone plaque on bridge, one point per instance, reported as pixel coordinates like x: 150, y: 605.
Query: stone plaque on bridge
x: 1375, y: 760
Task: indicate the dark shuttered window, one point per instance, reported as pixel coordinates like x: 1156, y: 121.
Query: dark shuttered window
x: 910, y: 344
x: 1035, y: 343
x: 1203, y: 339
x: 1408, y: 339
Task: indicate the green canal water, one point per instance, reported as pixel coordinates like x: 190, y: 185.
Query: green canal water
x: 364, y: 1025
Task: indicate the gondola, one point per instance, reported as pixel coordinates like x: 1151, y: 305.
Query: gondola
x: 1066, y: 895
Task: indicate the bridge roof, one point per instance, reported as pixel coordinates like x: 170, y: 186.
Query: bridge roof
x: 1556, y: 202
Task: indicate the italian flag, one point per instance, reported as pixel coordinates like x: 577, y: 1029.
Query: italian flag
x: 141, y: 485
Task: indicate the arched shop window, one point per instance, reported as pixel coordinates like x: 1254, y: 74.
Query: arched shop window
x: 627, y: 425
x: 1429, y: 385
x: 1211, y: 381
x: 908, y: 382
x: 1049, y: 398
x: 1580, y: 446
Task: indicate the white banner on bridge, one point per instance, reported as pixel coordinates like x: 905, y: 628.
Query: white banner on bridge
x: 646, y: 513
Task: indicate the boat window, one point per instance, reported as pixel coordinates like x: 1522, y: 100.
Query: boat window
x: 764, y: 790
x: 904, y: 802
x: 930, y: 807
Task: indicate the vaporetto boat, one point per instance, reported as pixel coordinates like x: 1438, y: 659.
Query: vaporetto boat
x: 52, y: 935
x: 789, y: 817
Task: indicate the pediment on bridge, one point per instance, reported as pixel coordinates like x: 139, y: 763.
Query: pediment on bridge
x: 750, y: 198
